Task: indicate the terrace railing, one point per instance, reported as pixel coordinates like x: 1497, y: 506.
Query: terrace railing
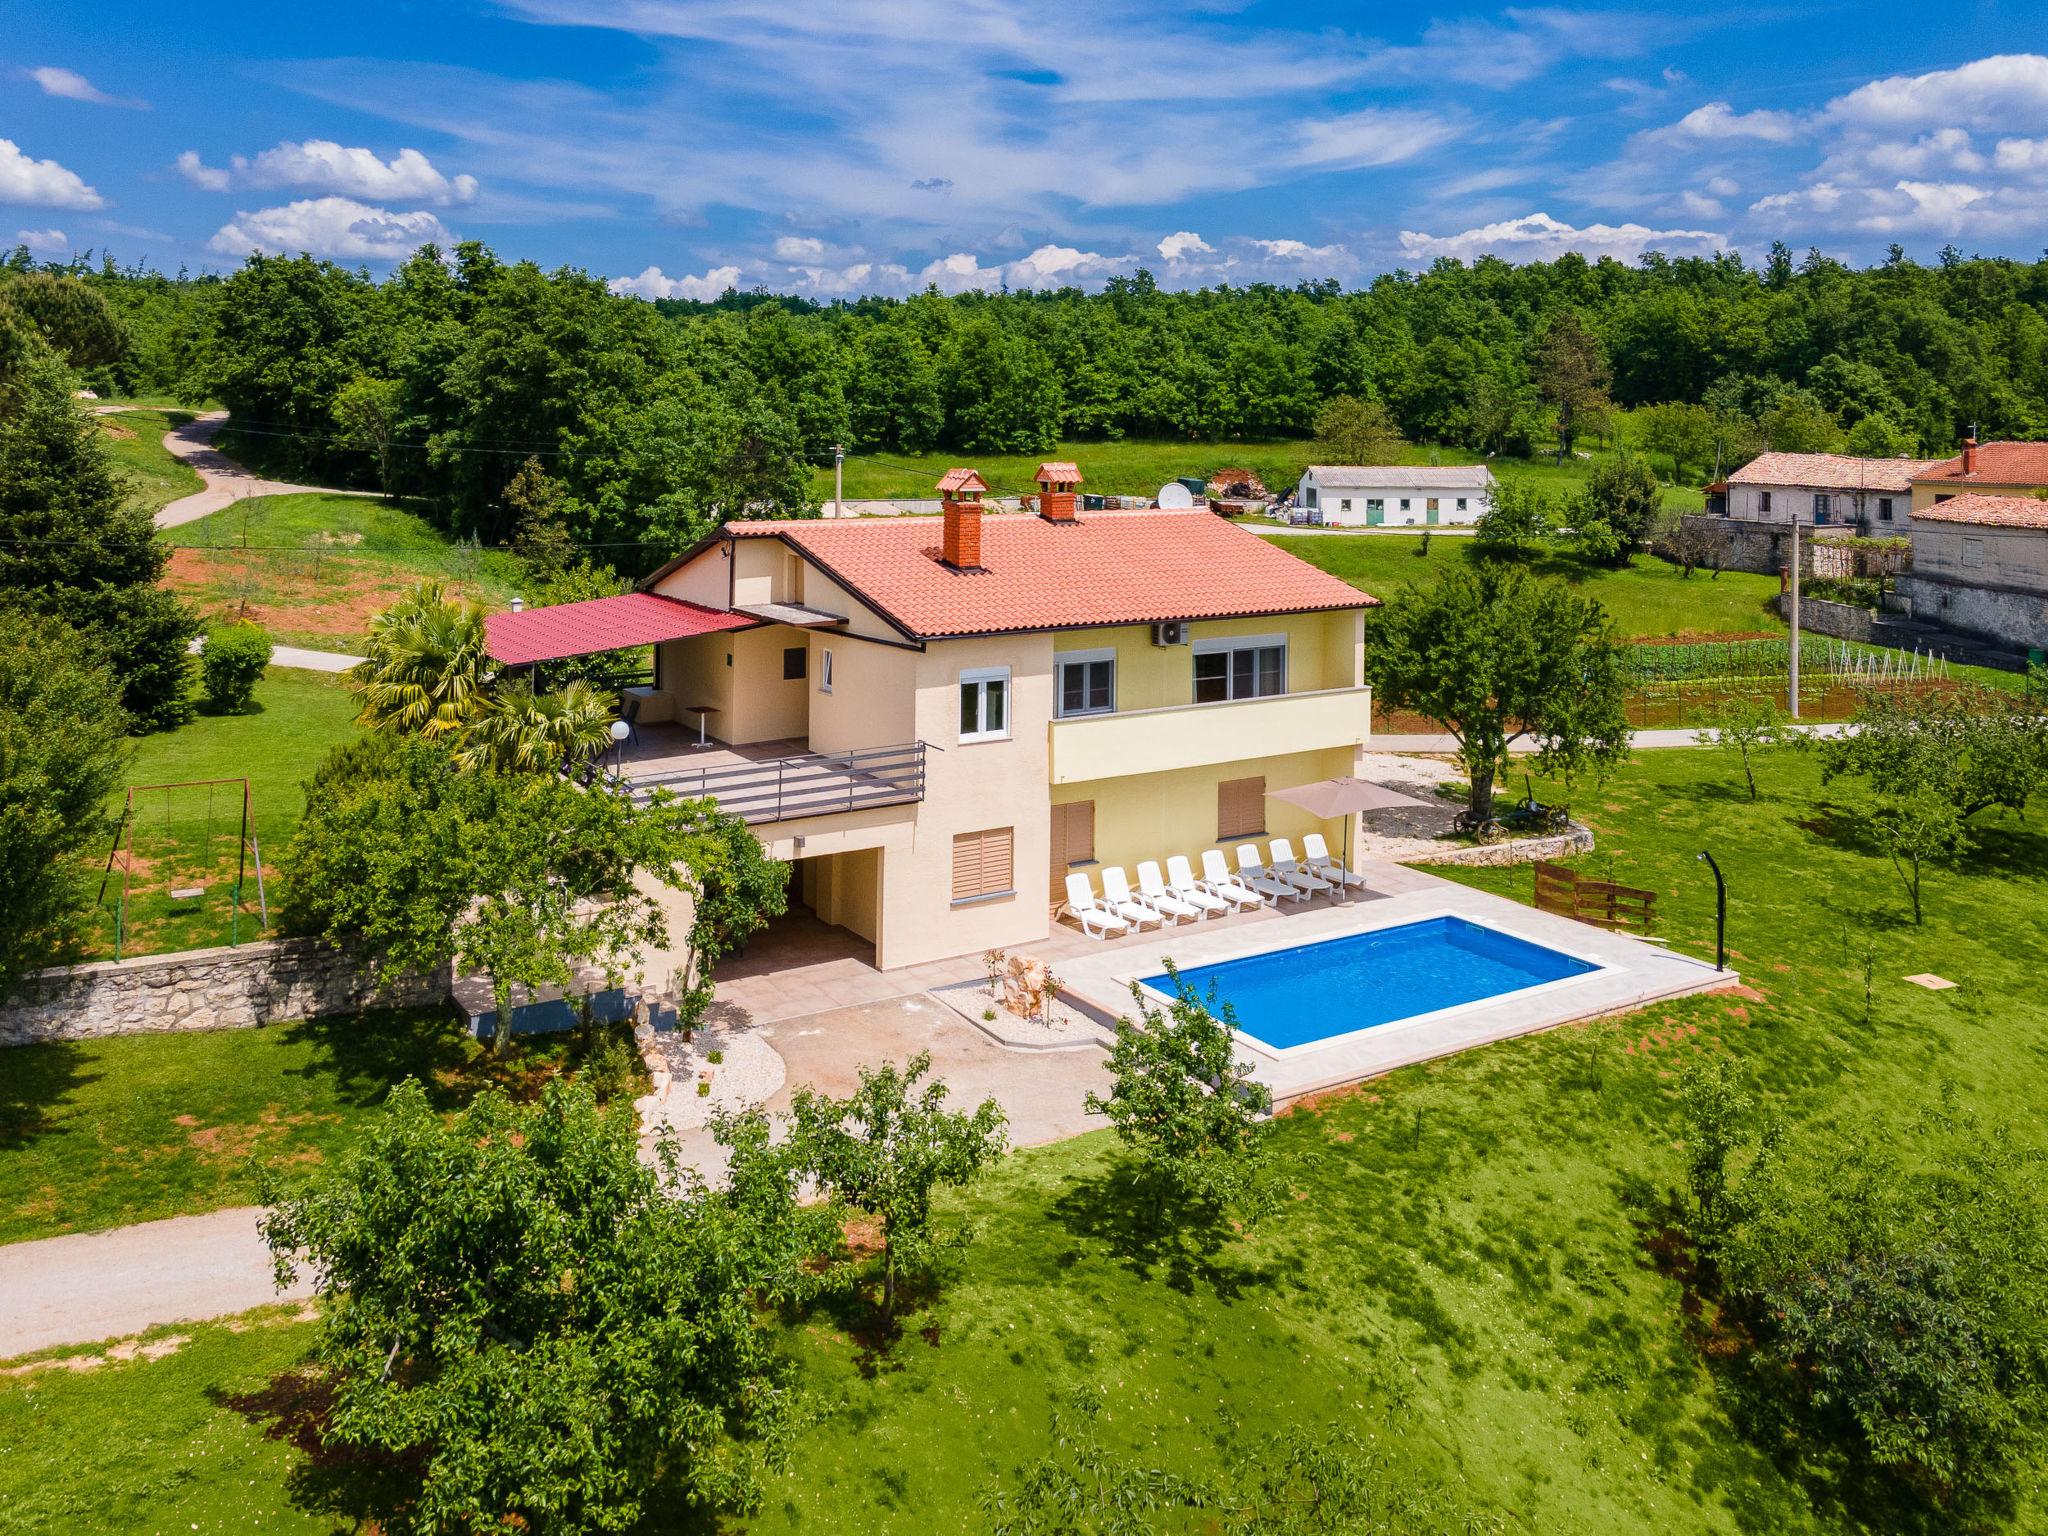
x: 802, y: 784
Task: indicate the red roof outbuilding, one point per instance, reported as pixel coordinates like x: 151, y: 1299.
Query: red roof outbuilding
x: 600, y: 624
x: 1995, y: 464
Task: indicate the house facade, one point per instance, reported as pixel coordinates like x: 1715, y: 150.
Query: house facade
x: 1823, y: 489
x: 935, y: 720
x: 1980, y: 565
x: 1394, y: 495
x: 1988, y: 469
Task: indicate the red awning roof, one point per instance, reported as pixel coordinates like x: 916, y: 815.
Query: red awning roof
x: 600, y: 624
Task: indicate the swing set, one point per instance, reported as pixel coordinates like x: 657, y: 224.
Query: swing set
x: 165, y: 863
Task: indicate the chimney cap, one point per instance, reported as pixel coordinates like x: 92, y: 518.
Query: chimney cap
x: 1058, y: 472
x: 961, y: 482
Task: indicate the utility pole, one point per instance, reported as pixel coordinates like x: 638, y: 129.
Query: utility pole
x: 1795, y: 613
x: 839, y: 480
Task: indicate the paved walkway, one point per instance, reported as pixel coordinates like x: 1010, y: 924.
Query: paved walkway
x: 100, y: 1285
x: 226, y: 481
x: 1674, y: 738
x: 296, y: 656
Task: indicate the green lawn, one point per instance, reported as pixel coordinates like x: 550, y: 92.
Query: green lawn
x: 1471, y: 1278
x: 315, y: 568
x: 135, y: 439
x: 182, y: 840
x: 1650, y: 599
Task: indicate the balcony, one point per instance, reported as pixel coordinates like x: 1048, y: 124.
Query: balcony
x: 774, y: 781
x: 1196, y: 735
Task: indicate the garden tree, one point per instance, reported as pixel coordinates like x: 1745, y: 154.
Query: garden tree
x: 1749, y: 728
x: 1353, y: 431
x: 1495, y: 655
x: 62, y: 756
x: 525, y: 1326
x: 232, y: 664
x: 1684, y: 431
x: 734, y: 888
x: 1917, y: 825
x: 516, y: 876
x: 1617, y: 507
x: 1570, y: 369
x: 426, y: 669
x: 1190, y: 1115
x: 888, y: 1149
x: 1980, y: 748
x: 71, y: 548
x: 1519, y: 519
x: 73, y: 317
x: 1892, y: 1284
x: 1692, y: 545
x: 519, y: 731
x: 366, y: 415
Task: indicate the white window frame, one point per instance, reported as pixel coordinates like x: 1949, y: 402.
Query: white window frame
x: 1344, y: 505
x: 1061, y: 661
x: 1461, y: 503
x: 1228, y: 643
x: 974, y: 677
x: 824, y: 669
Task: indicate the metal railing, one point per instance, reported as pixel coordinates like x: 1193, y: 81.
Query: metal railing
x: 804, y: 784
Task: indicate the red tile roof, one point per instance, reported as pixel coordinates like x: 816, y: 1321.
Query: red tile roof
x: 1992, y: 511
x: 1997, y: 464
x: 1105, y: 568
x: 1831, y: 471
x: 1058, y: 472
x: 961, y: 480
x: 600, y: 624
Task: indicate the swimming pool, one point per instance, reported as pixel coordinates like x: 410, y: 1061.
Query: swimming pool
x: 1315, y: 994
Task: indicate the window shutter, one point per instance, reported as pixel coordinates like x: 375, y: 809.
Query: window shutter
x: 982, y: 863
x: 1240, y: 807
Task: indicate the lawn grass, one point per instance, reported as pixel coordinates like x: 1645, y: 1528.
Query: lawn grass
x: 180, y: 840
x: 314, y: 569
x: 135, y: 440
x: 1650, y: 599
x: 102, y: 1133
x: 1475, y: 1276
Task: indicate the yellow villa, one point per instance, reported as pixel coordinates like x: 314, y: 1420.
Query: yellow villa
x: 937, y: 720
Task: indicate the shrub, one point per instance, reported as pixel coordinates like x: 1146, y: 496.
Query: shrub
x: 232, y: 665
x: 609, y: 1069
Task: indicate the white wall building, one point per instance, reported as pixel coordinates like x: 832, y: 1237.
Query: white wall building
x: 1823, y: 489
x: 1393, y: 495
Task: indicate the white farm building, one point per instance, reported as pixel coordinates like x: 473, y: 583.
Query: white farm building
x: 1393, y: 495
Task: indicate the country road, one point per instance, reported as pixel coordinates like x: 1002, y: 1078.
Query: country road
x: 226, y: 481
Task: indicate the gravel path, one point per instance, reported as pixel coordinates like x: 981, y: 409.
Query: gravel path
x: 226, y: 481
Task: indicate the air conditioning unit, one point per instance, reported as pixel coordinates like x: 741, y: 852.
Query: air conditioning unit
x: 1174, y: 632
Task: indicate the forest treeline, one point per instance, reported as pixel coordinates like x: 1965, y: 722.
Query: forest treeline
x: 442, y: 380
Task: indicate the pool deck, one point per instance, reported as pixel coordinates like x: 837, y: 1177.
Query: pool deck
x: 1633, y: 974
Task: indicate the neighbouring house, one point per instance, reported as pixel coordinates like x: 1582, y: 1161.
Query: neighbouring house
x: 1393, y: 495
x: 1821, y: 489
x: 936, y: 720
x: 1990, y: 469
x: 1980, y: 565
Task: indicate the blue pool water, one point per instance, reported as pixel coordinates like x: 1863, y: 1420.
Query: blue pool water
x: 1318, y: 991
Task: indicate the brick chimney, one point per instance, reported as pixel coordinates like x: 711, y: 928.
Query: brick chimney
x: 1056, y: 482
x: 960, y: 493
x: 1969, y: 455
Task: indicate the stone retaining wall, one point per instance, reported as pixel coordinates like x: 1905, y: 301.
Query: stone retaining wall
x: 229, y: 988
x: 1763, y: 549
x: 1575, y: 839
x: 1819, y: 616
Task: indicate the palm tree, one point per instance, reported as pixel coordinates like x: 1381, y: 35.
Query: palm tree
x: 427, y: 669
x: 521, y: 731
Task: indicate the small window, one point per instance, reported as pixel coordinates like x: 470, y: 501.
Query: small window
x: 794, y: 662
x: 985, y: 704
x: 1086, y: 682
x: 1763, y: 501
x: 982, y: 865
x: 825, y: 671
x: 1240, y: 808
x: 1404, y: 503
x: 1945, y: 496
x: 1344, y: 505
x: 1461, y: 503
x: 1884, y: 509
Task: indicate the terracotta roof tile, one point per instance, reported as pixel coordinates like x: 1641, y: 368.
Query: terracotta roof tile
x: 1831, y: 471
x: 600, y: 624
x: 1996, y: 464
x: 1105, y: 568
x: 1058, y: 472
x: 1991, y: 511
x: 961, y: 480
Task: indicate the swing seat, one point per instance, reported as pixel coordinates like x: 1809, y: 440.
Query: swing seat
x: 188, y: 893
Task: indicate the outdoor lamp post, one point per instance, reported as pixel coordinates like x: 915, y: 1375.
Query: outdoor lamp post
x: 620, y: 731
x: 1720, y: 913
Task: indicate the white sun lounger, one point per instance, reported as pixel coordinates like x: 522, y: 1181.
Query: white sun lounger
x: 1219, y: 881
x: 1316, y: 855
x: 1288, y: 867
x: 1116, y: 891
x: 1095, y: 919
x: 1180, y: 879
x: 1252, y: 870
x: 1153, y: 892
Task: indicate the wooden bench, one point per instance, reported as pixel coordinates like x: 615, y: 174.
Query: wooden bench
x: 1617, y: 908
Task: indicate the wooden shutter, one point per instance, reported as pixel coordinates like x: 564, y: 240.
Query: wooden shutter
x: 1240, y: 808
x: 982, y: 863
x: 1073, y: 842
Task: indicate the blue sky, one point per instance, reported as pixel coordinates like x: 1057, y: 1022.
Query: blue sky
x: 676, y: 146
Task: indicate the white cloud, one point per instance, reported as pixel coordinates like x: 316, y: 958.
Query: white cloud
x: 1539, y: 237
x: 2022, y: 157
x: 41, y: 183
x: 657, y: 284
x: 1986, y: 93
x: 1949, y: 209
x: 321, y: 165
x: 1717, y: 121
x: 44, y: 242
x: 1723, y: 186
x: 798, y: 248
x: 72, y: 86
x: 1700, y: 206
x: 331, y: 226
x: 1183, y: 243
x: 858, y: 279
x: 1300, y: 250
x: 1050, y: 266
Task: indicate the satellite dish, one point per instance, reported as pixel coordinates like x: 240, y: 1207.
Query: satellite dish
x: 1174, y: 494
